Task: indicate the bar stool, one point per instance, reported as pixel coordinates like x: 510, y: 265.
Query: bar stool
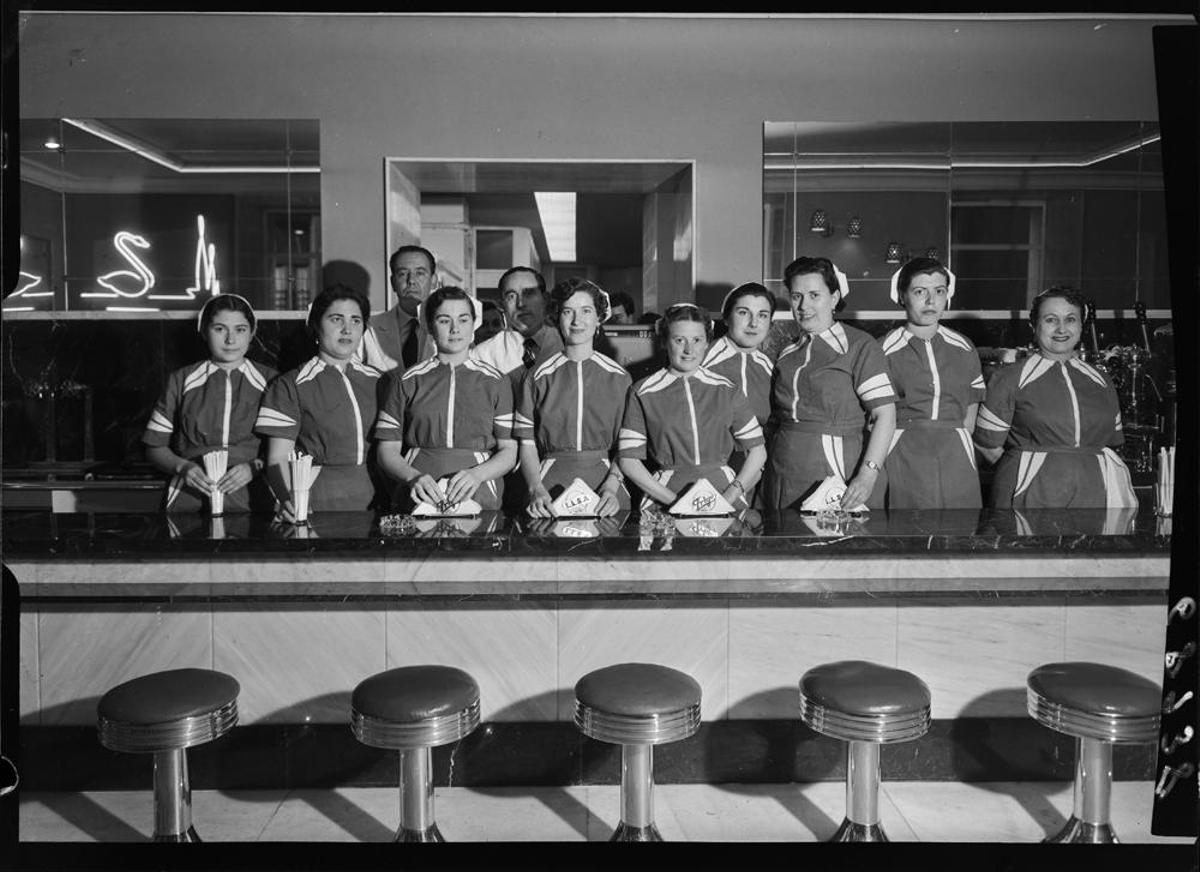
x: 637, y: 706
x: 865, y: 705
x: 163, y: 714
x: 413, y: 709
x: 1100, y: 706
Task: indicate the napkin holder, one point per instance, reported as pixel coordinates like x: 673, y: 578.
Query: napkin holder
x: 576, y: 501
x: 701, y: 500
x: 704, y: 527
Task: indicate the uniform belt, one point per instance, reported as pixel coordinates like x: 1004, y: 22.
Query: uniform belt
x: 585, y: 455
x: 929, y: 424
x: 824, y: 428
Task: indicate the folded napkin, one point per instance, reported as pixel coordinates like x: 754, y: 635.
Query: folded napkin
x: 701, y: 499
x: 446, y: 509
x: 577, y: 501
x: 828, y: 497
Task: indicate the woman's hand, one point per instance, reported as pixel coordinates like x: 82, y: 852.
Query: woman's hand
x: 287, y: 513
x: 463, y: 485
x: 194, y: 477
x: 609, y: 503
x: 858, y: 491
x: 236, y: 478
x: 540, y: 502
x: 735, y: 494
x: 425, y: 490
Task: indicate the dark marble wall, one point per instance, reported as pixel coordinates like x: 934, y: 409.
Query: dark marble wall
x: 69, y: 384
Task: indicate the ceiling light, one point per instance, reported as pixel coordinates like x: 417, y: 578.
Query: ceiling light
x: 557, y: 212
x: 52, y: 143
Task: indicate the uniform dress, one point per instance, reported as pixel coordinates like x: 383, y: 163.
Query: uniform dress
x: 750, y: 372
x: 327, y: 410
x: 931, y: 461
x: 1058, y: 423
x: 687, y: 425
x: 572, y: 410
x: 449, y: 418
x: 205, y: 408
x: 821, y: 388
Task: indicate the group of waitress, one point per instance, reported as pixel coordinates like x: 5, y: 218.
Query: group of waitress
x: 900, y: 422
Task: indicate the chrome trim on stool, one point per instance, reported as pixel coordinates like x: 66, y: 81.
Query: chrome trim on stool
x: 1117, y: 729
x: 1078, y: 832
x: 880, y: 729
x: 653, y: 729
x: 627, y: 833
x: 168, y: 735
x: 849, y: 831
x: 431, y: 732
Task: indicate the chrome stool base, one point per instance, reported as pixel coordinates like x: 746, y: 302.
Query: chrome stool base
x: 430, y: 834
x: 188, y: 836
x: 1082, y: 833
x: 629, y: 833
x: 850, y: 831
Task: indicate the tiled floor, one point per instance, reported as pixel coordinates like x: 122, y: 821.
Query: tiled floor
x: 926, y: 811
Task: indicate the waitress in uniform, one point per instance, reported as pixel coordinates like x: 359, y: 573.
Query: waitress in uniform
x: 450, y: 416
x: 324, y: 408
x: 827, y: 387
x: 938, y: 382
x: 569, y: 407
x: 686, y: 420
x: 1053, y: 420
x: 209, y: 406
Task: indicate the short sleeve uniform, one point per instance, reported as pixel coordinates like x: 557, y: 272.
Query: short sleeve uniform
x: 1058, y: 422
x: 687, y: 426
x: 328, y: 411
x: 822, y: 388
x: 204, y: 408
x: 931, y: 461
x: 572, y: 410
x: 449, y: 418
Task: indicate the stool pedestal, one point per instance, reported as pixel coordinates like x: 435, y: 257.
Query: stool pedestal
x: 1099, y: 706
x: 637, y: 796
x: 172, y: 798
x: 861, y: 823
x: 416, y: 797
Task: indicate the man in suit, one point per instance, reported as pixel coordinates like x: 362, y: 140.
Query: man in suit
x: 395, y: 339
x: 527, y: 339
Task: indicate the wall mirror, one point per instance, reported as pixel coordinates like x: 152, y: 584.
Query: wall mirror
x: 1011, y: 207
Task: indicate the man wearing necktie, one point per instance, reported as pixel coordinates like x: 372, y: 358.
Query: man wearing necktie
x: 521, y: 346
x: 395, y: 339
x: 526, y: 339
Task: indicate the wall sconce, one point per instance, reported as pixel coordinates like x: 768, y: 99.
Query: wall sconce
x: 931, y: 252
x: 854, y: 227
x: 894, y: 252
x: 820, y: 223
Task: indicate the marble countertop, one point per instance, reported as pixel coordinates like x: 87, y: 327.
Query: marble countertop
x: 42, y: 534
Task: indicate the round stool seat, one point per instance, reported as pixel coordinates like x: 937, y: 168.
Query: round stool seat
x: 415, y: 706
x: 859, y: 701
x: 1094, y: 701
x: 162, y: 711
x: 637, y: 704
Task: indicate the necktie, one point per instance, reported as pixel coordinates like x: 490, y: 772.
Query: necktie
x: 411, y: 347
x: 530, y: 354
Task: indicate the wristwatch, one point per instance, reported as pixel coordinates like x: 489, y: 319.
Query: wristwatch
x: 871, y: 464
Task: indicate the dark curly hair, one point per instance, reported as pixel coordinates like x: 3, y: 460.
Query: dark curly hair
x: 683, y: 312
x: 821, y: 266
x: 1062, y: 292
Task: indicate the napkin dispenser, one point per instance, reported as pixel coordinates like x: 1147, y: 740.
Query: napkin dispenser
x: 576, y: 501
x: 828, y: 497
x: 445, y: 509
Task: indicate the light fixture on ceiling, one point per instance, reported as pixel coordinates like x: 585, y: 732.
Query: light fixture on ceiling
x: 52, y: 143
x: 556, y: 209
x: 895, y: 252
x: 854, y: 227
x: 819, y: 222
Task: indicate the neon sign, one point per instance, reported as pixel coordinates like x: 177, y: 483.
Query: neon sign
x: 205, y: 271
x: 111, y: 282
x: 25, y: 291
